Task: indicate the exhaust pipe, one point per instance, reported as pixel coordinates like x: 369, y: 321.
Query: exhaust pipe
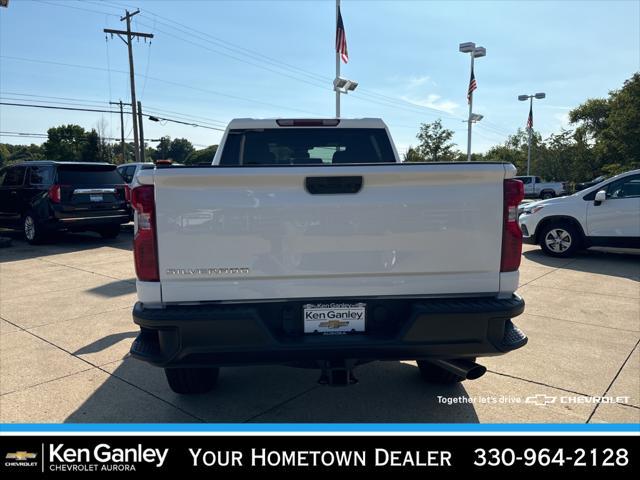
x: 466, y: 369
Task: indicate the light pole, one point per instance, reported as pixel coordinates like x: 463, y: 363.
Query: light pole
x: 474, y: 52
x: 524, y: 98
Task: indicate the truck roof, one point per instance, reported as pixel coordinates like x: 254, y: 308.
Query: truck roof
x: 241, y: 123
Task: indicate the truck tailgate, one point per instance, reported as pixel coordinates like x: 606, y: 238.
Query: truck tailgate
x: 255, y: 233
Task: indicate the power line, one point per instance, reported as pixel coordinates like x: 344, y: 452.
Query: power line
x: 313, y: 79
x: 87, y: 102
x: 107, y: 111
x: 168, y: 82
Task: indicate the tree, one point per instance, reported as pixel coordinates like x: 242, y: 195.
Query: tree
x: 202, y: 156
x: 412, y: 155
x: 163, y: 148
x: 91, y: 148
x: 65, y: 143
x: 435, y: 142
x: 180, y: 149
x: 5, y: 154
x: 611, y: 127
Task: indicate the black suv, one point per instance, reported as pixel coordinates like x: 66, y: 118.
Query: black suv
x: 41, y: 197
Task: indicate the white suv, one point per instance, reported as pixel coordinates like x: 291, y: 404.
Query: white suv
x: 607, y: 214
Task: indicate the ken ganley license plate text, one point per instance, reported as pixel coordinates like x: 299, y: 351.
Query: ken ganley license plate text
x: 333, y: 318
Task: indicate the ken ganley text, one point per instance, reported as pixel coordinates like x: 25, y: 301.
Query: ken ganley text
x: 262, y: 457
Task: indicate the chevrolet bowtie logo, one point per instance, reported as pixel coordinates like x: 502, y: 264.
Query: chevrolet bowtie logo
x: 334, y: 324
x: 21, y: 456
x: 541, y: 399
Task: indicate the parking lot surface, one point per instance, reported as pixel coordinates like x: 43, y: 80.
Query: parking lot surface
x: 66, y: 329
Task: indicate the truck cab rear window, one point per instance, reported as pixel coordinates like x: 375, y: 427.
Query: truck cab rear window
x: 307, y: 146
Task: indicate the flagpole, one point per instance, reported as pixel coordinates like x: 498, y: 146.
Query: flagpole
x: 337, y: 63
x: 470, y: 113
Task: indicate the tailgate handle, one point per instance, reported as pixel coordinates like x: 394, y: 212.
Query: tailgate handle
x: 333, y: 185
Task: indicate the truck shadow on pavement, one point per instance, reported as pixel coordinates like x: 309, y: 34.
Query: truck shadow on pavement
x: 386, y: 392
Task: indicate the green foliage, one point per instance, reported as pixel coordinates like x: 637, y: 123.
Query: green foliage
x: 5, y: 154
x: 180, y: 149
x: 65, y: 143
x: 412, y: 155
x: 177, y: 149
x: 605, y: 141
x: 435, y: 142
x: 202, y: 156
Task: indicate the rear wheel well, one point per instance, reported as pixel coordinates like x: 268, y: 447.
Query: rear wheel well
x: 560, y: 219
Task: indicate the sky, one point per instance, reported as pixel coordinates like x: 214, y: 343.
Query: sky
x: 211, y: 61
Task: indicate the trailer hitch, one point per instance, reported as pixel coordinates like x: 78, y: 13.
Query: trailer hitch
x: 338, y: 374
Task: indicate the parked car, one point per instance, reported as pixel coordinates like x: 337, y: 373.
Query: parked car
x: 128, y: 172
x: 534, y: 187
x: 606, y: 214
x: 591, y: 183
x: 308, y: 243
x: 41, y: 197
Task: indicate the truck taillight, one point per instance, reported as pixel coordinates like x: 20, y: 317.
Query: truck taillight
x: 145, y: 247
x: 127, y: 193
x: 54, y: 193
x: 511, y: 233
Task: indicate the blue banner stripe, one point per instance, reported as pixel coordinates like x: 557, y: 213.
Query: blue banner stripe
x: 317, y: 427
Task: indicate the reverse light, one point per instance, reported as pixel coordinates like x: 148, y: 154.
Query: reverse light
x: 145, y: 247
x: 513, y: 193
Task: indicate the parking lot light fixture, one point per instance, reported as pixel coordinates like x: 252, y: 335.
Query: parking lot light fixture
x: 522, y: 98
x: 474, y: 52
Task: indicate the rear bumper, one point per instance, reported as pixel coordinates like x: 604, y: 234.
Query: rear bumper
x: 271, y: 333
x: 83, y: 220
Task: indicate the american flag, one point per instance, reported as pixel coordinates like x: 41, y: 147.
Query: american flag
x: 472, y: 86
x: 341, y: 39
x: 530, y: 119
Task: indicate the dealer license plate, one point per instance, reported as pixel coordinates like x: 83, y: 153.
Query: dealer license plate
x: 334, y: 318
x: 95, y: 198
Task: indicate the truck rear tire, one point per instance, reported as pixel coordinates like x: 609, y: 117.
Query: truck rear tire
x: 188, y: 381
x: 433, y: 374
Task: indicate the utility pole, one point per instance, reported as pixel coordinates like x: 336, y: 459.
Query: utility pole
x: 129, y: 36
x: 122, y: 142
x: 141, y: 132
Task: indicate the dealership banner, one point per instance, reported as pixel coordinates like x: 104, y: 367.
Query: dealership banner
x: 50, y: 456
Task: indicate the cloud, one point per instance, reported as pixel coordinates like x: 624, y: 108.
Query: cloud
x: 413, y: 82
x: 562, y: 119
x: 434, y: 102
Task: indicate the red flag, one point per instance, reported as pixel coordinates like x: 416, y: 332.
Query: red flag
x: 341, y: 39
x: 472, y: 86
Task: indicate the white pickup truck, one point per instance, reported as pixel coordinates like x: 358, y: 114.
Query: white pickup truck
x: 534, y: 187
x: 308, y: 243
